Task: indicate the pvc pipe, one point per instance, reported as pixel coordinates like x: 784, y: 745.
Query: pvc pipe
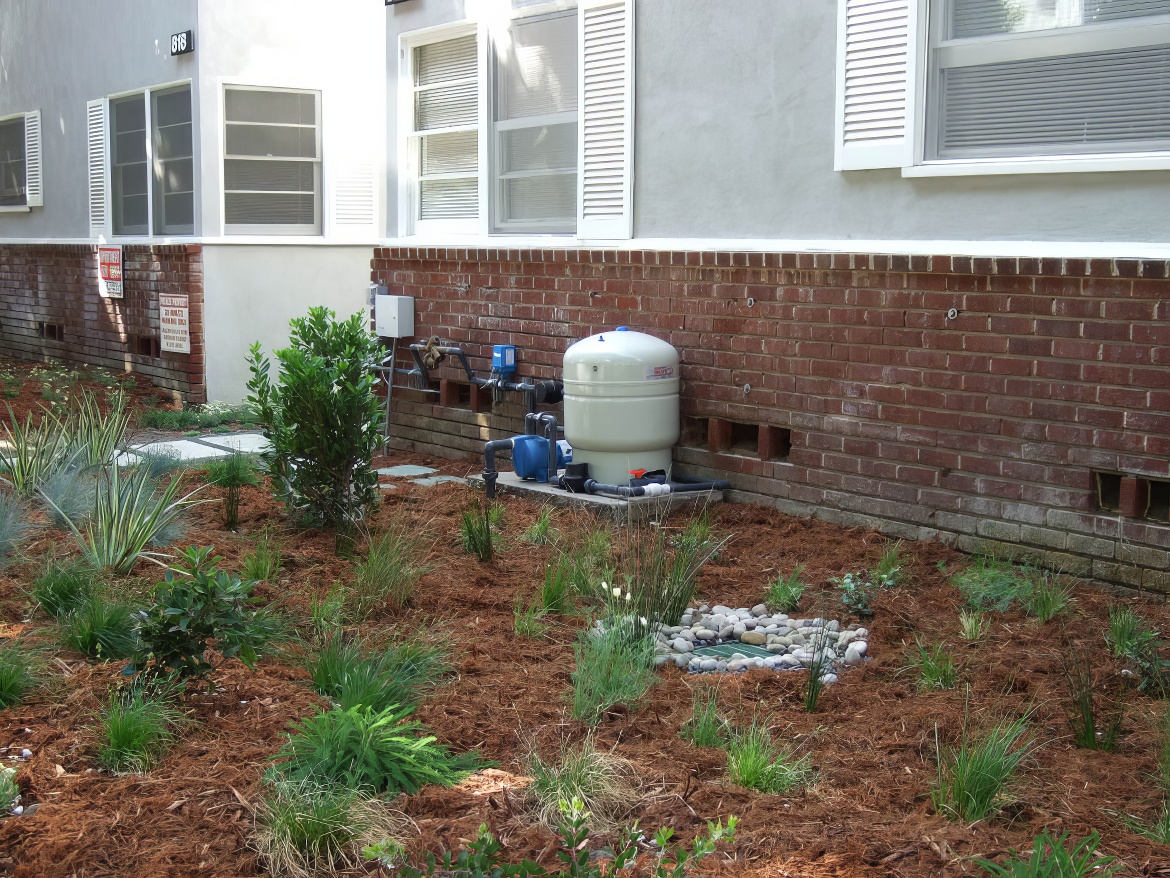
x: 653, y: 489
x: 489, y: 464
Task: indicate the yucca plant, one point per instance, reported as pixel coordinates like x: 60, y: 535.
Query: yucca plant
x: 35, y: 451
x: 128, y: 515
x: 95, y: 439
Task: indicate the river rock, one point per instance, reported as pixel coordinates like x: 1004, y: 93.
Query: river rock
x: 725, y: 632
x: 708, y: 664
x: 760, y: 610
x: 681, y: 660
x: 738, y: 630
x: 705, y: 634
x: 680, y: 644
x: 787, y: 661
x: 755, y: 638
x: 853, y: 655
x: 660, y: 660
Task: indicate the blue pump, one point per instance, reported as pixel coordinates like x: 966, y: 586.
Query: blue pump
x: 530, y: 457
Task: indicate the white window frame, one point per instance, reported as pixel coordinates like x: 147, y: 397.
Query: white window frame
x: 147, y: 96
x: 31, y: 199
x: 487, y: 224
x: 922, y: 92
x: 317, y: 229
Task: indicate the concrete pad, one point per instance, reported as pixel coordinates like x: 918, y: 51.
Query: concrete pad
x: 405, y: 471
x: 438, y: 480
x: 182, y: 449
x: 248, y: 443
x: 641, y: 508
x: 126, y: 459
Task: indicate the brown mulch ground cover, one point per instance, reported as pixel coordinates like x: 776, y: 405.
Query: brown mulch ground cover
x: 872, y: 741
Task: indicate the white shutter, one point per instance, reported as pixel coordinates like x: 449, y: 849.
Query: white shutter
x: 605, y: 192
x: 34, y: 193
x: 355, y: 200
x: 875, y: 77
x: 95, y: 112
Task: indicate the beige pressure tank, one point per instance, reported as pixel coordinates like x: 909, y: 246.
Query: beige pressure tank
x: 621, y: 403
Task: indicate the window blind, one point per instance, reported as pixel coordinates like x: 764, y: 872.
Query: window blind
x: 129, y: 187
x: 446, y: 102
x: 12, y: 189
x: 975, y: 18
x: 174, y: 167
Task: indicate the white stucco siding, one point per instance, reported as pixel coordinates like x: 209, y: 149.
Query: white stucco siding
x: 252, y: 292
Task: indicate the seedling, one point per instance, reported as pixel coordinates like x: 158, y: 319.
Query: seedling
x: 785, y: 592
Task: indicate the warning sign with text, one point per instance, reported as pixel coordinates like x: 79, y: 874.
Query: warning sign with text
x: 110, y: 272
x: 175, y: 323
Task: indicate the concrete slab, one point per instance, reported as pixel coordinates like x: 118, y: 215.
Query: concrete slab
x: 438, y: 480
x: 126, y: 459
x: 182, y: 449
x: 640, y: 508
x: 405, y: 471
x: 248, y: 443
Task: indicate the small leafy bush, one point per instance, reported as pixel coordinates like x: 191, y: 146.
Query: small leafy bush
x: 390, y: 572
x: 309, y: 828
x: 136, y: 731
x: 785, y: 592
x: 381, y: 750
x: 991, y: 584
x: 541, y: 532
x: 195, y: 608
x: 603, y: 782
x: 935, y: 666
x: 61, y: 588
x: 705, y: 728
x: 611, y: 669
x: 102, y: 630
x: 1051, y: 858
x: 354, y: 675
x: 321, y: 417
x: 856, y: 593
x: 16, y: 674
x: 756, y: 762
x: 230, y: 474
x: 972, y: 777
x: 128, y: 516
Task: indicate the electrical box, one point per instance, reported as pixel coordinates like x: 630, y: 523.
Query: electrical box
x: 504, y: 359
x: 394, y: 316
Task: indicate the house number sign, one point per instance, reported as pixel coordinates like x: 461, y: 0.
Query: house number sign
x: 183, y: 43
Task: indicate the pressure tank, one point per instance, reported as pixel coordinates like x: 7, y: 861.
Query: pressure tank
x: 621, y: 403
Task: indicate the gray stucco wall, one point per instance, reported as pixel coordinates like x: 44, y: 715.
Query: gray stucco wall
x: 734, y: 139
x: 55, y: 56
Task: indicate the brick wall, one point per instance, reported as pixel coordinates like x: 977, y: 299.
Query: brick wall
x: 1030, y: 419
x: 51, y: 290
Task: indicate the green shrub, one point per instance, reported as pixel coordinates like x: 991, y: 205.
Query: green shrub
x: 756, y: 762
x: 856, y: 593
x: 62, y: 588
x: 528, y: 620
x: 136, y: 731
x: 128, y: 515
x: 263, y: 563
x: 705, y: 728
x: 971, y: 778
x: 603, y: 782
x: 9, y: 791
x: 1051, y: 858
x: 785, y: 592
x: 198, y: 607
x: 611, y: 669
x: 1048, y: 600
x: 991, y: 584
x: 479, y: 530
x: 387, y: 577
x: 354, y: 675
x: 541, y: 532
x: 935, y: 666
x: 322, y: 417
x: 100, y: 629
x: 380, y: 750
x: 202, y: 417
x: 230, y: 474
x: 309, y: 828
x: 16, y: 674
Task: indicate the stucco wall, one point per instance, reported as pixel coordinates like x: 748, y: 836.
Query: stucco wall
x: 55, y: 56
x: 734, y: 139
x: 253, y: 291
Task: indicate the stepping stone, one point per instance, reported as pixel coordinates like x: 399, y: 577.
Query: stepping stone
x: 405, y: 470
x: 182, y: 449
x: 248, y: 443
x: 126, y: 459
x: 438, y: 480
x: 387, y: 487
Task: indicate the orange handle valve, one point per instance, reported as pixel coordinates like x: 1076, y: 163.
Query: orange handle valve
x: 637, y: 473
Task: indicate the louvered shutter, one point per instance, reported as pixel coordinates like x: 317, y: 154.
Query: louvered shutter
x: 606, y: 149
x: 33, y: 191
x: 96, y: 136
x: 875, y: 73
x: 355, y: 200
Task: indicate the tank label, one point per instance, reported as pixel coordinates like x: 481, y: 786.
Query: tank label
x: 657, y: 373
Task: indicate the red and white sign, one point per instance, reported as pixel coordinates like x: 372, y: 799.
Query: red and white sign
x: 175, y: 323
x: 110, y: 271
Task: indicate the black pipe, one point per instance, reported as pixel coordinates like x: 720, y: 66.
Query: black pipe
x: 594, y: 487
x: 489, y: 464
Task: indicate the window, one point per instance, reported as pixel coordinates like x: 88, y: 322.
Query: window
x: 1048, y: 77
x: 272, y: 161
x: 522, y: 126
x: 20, y: 161
x: 152, y: 185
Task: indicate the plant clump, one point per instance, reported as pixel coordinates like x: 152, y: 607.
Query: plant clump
x: 784, y: 592
x: 136, y: 730
x: 231, y: 474
x: 755, y: 761
x: 971, y: 778
x: 1052, y: 858
x: 602, y: 781
x: 612, y: 669
x: 387, y: 577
